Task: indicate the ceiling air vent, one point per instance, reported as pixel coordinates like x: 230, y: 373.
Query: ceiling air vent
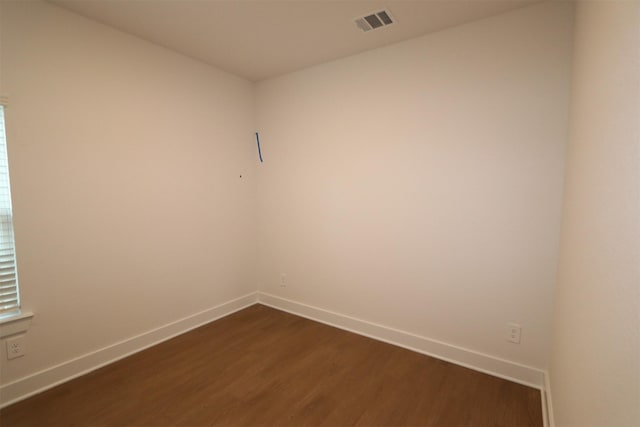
x: 374, y: 20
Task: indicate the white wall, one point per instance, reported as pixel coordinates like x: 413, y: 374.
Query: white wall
x: 125, y: 161
x: 419, y: 186
x: 595, y: 366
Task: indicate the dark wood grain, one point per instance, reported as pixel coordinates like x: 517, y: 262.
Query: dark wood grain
x: 261, y: 366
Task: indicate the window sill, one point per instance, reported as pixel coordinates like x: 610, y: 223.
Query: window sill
x: 16, y: 324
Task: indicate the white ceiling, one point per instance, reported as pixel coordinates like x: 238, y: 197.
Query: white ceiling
x: 264, y: 38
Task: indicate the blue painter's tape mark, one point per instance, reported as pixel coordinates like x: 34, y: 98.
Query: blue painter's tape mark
x: 259, y: 150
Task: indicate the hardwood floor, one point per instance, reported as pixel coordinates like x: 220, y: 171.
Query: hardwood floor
x: 264, y: 367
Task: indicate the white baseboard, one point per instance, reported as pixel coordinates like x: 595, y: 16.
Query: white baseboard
x: 485, y: 363
x: 55, y: 375
x: 547, y: 402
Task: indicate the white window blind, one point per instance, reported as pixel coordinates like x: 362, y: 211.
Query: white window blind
x: 9, y: 296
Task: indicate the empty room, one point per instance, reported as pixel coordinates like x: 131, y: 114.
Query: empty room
x: 317, y: 212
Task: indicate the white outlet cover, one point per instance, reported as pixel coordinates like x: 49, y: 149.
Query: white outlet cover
x: 16, y: 347
x: 513, y: 332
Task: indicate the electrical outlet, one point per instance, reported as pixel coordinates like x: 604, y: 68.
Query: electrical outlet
x: 16, y: 347
x: 513, y: 332
x: 283, y: 280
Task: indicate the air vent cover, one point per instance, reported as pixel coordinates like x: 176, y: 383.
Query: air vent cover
x: 374, y: 20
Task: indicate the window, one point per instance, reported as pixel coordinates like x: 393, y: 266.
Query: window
x: 9, y: 296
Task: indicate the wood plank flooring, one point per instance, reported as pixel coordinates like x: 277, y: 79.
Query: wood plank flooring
x: 264, y: 367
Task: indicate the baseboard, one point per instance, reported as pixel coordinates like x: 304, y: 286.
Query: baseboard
x: 547, y: 402
x: 50, y: 377
x: 485, y: 363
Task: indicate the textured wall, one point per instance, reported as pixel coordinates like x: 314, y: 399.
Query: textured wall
x: 595, y: 369
x: 419, y: 186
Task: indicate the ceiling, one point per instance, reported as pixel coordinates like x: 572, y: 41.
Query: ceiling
x: 264, y: 38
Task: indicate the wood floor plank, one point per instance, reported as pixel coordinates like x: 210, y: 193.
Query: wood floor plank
x: 263, y: 367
